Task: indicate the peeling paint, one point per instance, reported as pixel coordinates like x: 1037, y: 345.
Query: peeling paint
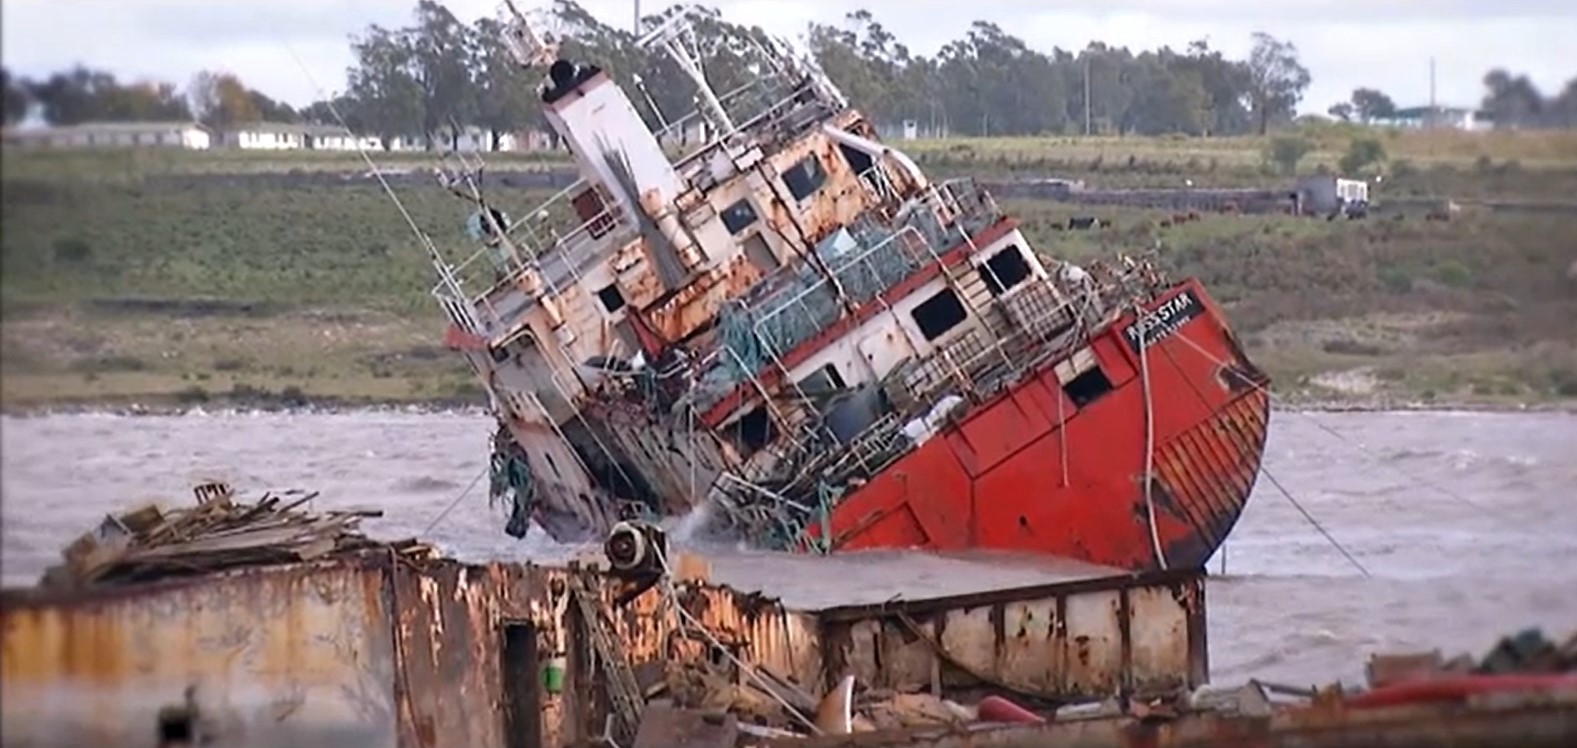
x: 371, y: 651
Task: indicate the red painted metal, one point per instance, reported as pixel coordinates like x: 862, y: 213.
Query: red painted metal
x: 998, y: 709
x: 995, y: 478
x: 1458, y: 688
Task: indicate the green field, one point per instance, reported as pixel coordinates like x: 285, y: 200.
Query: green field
x: 162, y: 277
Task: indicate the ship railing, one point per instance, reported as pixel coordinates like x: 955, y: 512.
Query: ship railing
x: 877, y: 181
x: 746, y: 115
x: 1043, y: 323
x: 907, y: 243
x: 1040, y: 325
x: 964, y: 198
x: 573, y: 248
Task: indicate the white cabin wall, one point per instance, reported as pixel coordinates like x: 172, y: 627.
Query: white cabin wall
x: 599, y: 119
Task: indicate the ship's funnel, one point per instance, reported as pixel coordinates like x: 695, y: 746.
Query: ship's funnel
x: 597, y: 121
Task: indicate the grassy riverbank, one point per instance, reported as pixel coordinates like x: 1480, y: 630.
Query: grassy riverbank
x: 165, y: 278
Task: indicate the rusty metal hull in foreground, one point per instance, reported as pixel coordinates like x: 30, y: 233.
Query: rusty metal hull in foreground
x: 370, y: 651
x: 1529, y: 722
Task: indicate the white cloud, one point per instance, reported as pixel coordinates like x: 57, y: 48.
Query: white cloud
x: 1382, y: 43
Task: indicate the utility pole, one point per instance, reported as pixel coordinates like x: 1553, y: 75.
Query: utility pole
x: 637, y: 18
x: 1086, y: 94
x: 1429, y: 124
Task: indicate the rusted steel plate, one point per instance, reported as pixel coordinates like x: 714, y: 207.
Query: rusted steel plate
x: 1550, y: 723
x: 1087, y: 638
x: 271, y: 655
x: 1208, y: 471
x: 367, y: 652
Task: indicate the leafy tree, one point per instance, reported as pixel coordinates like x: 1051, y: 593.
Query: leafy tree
x: 1563, y: 108
x: 385, y: 92
x: 221, y: 100
x: 1284, y: 152
x: 1342, y: 110
x: 440, y: 50
x: 507, y: 99
x: 145, y: 102
x: 271, y: 110
x: 82, y: 95
x: 1276, y: 80
x: 1361, y: 154
x: 1371, y: 105
x: 17, y: 99
x: 1226, y: 83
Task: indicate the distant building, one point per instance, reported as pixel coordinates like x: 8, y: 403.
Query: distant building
x: 283, y: 136
x: 188, y: 135
x: 536, y: 140
x: 1324, y: 194
x: 910, y: 129
x: 1442, y: 117
x: 336, y: 138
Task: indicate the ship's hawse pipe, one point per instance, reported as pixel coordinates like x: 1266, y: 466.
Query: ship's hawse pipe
x: 877, y: 150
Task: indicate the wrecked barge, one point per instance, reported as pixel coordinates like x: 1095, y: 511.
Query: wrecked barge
x: 380, y: 646
x: 365, y: 644
x: 796, y: 335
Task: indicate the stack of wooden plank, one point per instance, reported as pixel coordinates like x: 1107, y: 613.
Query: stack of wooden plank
x: 218, y: 533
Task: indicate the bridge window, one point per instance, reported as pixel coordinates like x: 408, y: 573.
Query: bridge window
x: 824, y: 381
x: 938, y: 314
x: 612, y: 300
x: 739, y: 216
x: 754, y: 431
x: 1086, y: 388
x: 1004, y: 270
x: 805, y: 177
x: 859, y: 161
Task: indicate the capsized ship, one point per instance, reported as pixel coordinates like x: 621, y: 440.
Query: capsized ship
x: 792, y: 331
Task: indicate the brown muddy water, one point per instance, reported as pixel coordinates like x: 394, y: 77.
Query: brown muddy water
x: 1464, y: 521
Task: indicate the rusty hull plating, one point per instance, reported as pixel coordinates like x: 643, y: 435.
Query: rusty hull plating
x: 369, y: 651
x: 794, y: 327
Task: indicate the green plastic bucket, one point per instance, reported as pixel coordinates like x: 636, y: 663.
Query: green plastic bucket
x: 553, y: 674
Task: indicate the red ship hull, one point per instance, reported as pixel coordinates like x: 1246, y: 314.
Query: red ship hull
x: 1037, y: 470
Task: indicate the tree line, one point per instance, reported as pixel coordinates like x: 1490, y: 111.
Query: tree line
x: 438, y: 74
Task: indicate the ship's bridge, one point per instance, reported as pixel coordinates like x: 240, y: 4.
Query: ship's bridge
x: 650, y: 244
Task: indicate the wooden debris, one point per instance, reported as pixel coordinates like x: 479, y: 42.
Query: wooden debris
x: 217, y: 533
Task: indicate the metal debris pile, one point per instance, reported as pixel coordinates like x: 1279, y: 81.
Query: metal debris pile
x: 218, y: 533
x: 697, y: 702
x: 1527, y: 652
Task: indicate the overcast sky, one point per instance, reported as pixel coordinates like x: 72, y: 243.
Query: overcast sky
x: 1381, y: 43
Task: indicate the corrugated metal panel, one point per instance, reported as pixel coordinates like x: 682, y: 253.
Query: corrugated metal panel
x: 1207, y: 472
x: 278, y: 657
x: 1078, y: 639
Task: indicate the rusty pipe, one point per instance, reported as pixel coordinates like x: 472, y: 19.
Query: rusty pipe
x: 877, y: 150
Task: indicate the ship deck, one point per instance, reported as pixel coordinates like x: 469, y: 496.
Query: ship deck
x: 861, y: 578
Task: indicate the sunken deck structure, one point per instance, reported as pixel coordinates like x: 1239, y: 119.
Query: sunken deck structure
x: 376, y: 651
x: 796, y: 329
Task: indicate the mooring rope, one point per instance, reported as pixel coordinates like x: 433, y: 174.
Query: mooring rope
x: 1366, y: 451
x: 456, y: 501
x: 1149, y: 436
x: 1316, y: 523
x: 377, y: 173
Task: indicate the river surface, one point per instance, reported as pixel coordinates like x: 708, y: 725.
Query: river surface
x: 1464, y: 522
